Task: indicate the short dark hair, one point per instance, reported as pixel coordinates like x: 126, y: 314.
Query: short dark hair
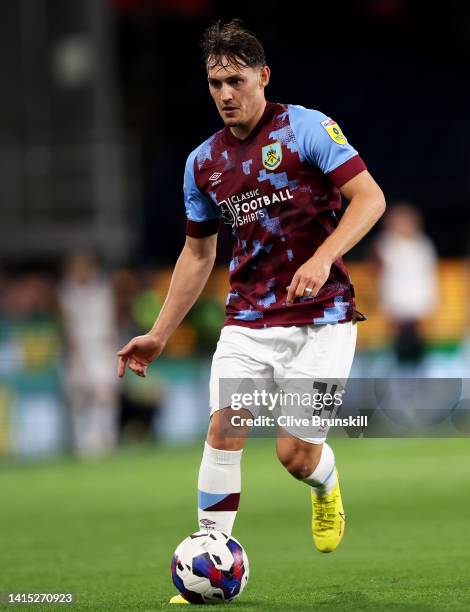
x: 240, y: 46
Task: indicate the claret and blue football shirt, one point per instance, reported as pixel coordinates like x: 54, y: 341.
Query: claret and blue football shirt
x: 278, y: 192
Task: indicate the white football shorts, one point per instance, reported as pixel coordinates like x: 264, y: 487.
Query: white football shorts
x: 283, y: 358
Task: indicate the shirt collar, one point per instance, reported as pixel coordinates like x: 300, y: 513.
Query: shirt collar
x: 265, y: 118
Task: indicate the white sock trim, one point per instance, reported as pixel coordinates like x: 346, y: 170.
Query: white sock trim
x: 220, y: 456
x: 323, y: 477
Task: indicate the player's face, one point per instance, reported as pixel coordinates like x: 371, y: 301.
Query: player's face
x: 238, y: 91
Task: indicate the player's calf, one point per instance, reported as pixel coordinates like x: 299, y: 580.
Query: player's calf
x: 219, y: 482
x: 314, y: 464
x: 298, y: 457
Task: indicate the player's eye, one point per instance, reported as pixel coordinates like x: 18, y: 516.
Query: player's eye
x: 215, y: 84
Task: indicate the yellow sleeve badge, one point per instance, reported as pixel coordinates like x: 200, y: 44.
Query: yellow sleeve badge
x: 334, y: 131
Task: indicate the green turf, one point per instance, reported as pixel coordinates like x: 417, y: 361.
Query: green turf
x: 106, y: 530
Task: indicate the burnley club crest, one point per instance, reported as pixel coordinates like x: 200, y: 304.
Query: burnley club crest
x: 271, y: 155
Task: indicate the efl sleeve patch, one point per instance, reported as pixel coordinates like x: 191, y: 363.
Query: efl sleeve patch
x: 334, y: 131
x: 320, y: 139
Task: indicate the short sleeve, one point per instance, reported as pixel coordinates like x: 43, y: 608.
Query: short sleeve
x: 322, y: 143
x: 202, y: 215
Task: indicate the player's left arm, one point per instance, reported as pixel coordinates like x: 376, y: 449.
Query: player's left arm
x: 322, y: 143
x: 366, y: 206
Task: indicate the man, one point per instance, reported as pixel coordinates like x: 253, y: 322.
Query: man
x: 87, y: 305
x: 275, y: 174
x: 405, y: 253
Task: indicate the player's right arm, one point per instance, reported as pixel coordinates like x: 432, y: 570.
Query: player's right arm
x: 189, y: 277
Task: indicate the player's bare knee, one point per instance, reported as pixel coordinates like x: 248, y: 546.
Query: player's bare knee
x: 222, y: 434
x: 225, y: 443
x: 221, y: 439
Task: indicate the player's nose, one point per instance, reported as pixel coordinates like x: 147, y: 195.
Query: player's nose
x: 226, y: 94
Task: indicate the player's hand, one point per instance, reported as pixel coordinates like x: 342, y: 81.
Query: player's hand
x: 138, y: 354
x: 313, y: 274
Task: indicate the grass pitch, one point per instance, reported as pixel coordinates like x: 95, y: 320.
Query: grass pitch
x: 106, y: 530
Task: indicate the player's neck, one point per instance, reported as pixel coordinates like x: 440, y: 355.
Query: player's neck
x: 243, y: 131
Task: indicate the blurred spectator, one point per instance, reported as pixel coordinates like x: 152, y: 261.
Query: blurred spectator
x: 408, y: 279
x: 31, y: 416
x: 88, y: 309
x: 207, y: 317
x: 147, y: 303
x: 29, y: 324
x: 126, y: 286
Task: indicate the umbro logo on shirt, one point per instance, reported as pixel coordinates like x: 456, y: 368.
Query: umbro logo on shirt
x: 214, y: 178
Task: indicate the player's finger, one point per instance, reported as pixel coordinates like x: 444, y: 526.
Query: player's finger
x: 291, y: 290
x: 137, y: 367
x: 122, y: 366
x: 316, y: 286
x: 299, y: 292
x: 126, y: 350
x: 137, y: 371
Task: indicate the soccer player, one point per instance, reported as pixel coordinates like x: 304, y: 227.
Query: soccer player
x: 274, y: 175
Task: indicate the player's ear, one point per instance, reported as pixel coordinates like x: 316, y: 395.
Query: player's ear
x: 264, y: 76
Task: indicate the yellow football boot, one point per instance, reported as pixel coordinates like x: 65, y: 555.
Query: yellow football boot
x: 328, y: 520
x: 178, y: 599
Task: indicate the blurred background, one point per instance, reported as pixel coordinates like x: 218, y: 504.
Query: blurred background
x: 102, y: 100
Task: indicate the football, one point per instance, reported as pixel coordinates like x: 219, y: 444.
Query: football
x: 210, y: 567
